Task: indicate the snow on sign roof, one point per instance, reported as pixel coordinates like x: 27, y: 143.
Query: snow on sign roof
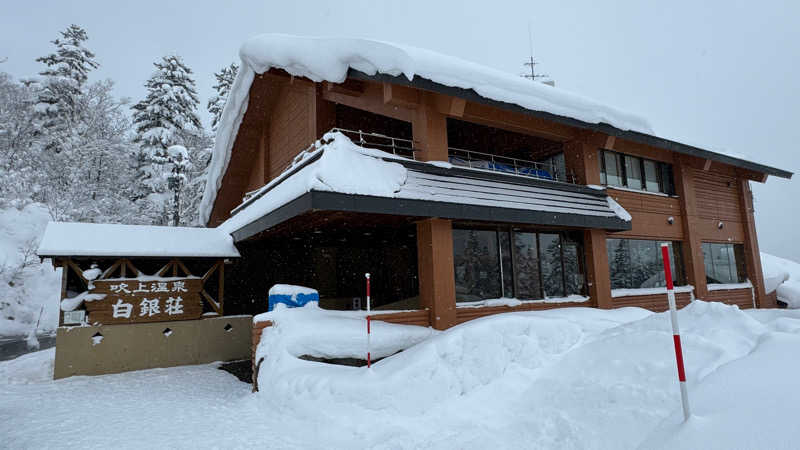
x: 329, y: 59
x: 91, y: 239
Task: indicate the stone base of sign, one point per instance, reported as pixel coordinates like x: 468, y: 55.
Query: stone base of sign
x: 104, y: 349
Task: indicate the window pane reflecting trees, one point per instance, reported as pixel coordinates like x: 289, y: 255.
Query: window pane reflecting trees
x: 637, y: 264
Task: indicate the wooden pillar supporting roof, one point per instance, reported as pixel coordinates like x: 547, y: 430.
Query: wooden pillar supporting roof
x: 437, y: 288
x: 581, y: 157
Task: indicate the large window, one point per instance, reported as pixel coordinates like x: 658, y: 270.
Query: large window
x: 636, y: 263
x: 637, y: 173
x: 724, y: 263
x: 503, y: 262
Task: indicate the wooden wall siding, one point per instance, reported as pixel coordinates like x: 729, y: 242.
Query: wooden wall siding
x: 292, y: 125
x: 467, y: 314
x: 420, y: 318
x: 717, y: 196
x: 650, y: 215
x: 657, y: 303
x: 743, y: 298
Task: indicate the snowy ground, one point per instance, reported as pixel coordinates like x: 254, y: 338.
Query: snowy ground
x: 570, y: 378
x: 28, y: 288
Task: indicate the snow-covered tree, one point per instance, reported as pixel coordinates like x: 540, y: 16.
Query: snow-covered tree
x: 165, y: 117
x: 216, y: 104
x: 61, y: 87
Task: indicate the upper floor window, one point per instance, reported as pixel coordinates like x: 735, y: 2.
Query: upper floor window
x: 724, y: 263
x: 634, y: 172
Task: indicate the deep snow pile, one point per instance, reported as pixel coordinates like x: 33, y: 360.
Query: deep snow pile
x: 783, y: 276
x: 27, y: 287
x: 568, y: 378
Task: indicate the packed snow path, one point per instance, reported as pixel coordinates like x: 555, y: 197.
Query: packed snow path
x: 570, y: 378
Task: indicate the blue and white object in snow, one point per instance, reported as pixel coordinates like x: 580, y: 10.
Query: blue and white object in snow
x: 291, y: 296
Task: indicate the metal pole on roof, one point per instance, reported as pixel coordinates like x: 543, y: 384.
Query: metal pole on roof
x: 676, y: 334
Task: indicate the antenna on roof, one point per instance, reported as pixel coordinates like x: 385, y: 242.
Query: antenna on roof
x: 531, y: 63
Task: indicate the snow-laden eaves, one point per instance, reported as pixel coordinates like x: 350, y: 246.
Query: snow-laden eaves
x: 113, y: 240
x: 330, y: 59
x: 322, y: 179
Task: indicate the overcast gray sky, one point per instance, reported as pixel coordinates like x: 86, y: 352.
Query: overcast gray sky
x: 719, y: 73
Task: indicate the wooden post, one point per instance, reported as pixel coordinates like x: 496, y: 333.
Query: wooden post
x: 429, y: 129
x: 221, y: 292
x: 751, y: 252
x: 64, y: 270
x: 692, y: 247
x: 598, y: 275
x: 581, y: 158
x: 437, y: 289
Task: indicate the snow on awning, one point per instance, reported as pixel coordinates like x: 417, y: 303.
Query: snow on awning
x: 92, y: 239
x: 322, y: 180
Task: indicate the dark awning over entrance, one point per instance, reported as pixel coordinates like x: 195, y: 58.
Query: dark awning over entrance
x: 436, y: 190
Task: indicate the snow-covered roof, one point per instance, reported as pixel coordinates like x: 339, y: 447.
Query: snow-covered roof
x: 92, y: 239
x: 330, y: 59
x: 329, y: 165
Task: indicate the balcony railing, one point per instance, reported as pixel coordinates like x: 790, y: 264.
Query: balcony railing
x: 550, y: 170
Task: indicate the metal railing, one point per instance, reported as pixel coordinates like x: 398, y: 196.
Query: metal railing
x: 504, y: 164
x: 472, y: 159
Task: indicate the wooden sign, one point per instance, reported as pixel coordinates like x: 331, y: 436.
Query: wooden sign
x: 132, y: 300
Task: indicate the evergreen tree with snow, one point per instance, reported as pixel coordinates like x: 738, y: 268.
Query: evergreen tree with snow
x: 216, y: 104
x: 163, y: 119
x: 67, y: 70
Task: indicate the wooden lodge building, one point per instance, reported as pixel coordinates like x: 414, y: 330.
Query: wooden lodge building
x: 463, y: 190
x: 510, y: 198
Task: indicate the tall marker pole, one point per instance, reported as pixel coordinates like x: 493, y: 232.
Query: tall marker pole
x: 676, y: 334
x: 369, y: 364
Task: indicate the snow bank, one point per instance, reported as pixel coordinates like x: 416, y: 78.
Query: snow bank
x: 329, y: 59
x: 93, y: 239
x: 511, y: 302
x: 322, y: 333
x: 566, y: 378
x: 28, y: 287
x: 783, y: 276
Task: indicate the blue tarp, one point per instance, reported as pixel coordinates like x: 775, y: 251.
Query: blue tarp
x: 292, y: 300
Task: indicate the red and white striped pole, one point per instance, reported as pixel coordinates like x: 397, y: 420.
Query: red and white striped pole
x: 369, y: 363
x: 676, y: 334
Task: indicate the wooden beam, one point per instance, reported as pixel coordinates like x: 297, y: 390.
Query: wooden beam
x: 110, y: 271
x: 183, y: 267
x: 210, y: 271
x: 598, y: 275
x: 211, y: 302
x: 521, y: 123
x: 371, y: 101
x: 167, y: 266
x: 610, y: 140
x: 706, y: 165
x: 450, y: 106
x: 78, y: 272
x: 351, y: 87
x: 64, y: 271
x: 403, y: 96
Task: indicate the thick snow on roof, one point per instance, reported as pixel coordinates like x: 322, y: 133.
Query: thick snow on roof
x: 329, y: 59
x: 92, y: 239
x: 341, y: 158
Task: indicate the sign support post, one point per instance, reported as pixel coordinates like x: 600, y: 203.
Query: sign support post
x: 369, y: 363
x: 676, y: 334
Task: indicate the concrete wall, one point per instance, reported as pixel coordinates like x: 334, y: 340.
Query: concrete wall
x: 146, y: 345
